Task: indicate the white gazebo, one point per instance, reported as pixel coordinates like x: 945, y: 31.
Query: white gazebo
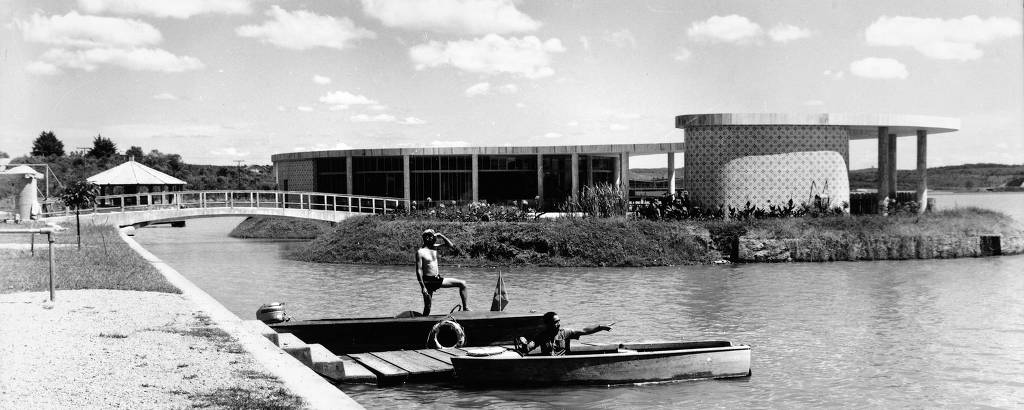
x: 132, y: 177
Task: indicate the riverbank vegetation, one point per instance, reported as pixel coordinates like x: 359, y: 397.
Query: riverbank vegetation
x: 103, y: 262
x: 279, y: 228
x: 584, y: 240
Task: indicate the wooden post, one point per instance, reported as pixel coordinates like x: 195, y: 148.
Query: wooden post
x: 53, y: 294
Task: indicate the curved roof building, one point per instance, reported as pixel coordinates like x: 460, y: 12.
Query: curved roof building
x: 731, y: 159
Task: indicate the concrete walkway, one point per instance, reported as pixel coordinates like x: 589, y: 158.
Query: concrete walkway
x: 299, y: 379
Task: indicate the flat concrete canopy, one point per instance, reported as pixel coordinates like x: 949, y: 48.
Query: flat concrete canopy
x: 862, y: 126
x: 636, y: 149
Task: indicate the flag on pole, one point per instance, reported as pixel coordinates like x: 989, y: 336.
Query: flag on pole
x: 500, y: 297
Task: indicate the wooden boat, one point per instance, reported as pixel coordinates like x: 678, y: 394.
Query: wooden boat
x: 609, y: 364
x: 357, y: 335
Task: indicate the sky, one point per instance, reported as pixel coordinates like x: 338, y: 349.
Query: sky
x: 228, y: 81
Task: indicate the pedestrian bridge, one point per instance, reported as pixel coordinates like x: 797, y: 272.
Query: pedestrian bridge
x: 168, y: 207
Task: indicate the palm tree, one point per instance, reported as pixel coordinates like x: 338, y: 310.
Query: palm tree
x: 77, y: 195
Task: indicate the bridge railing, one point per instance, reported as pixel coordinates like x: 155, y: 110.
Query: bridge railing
x: 234, y: 199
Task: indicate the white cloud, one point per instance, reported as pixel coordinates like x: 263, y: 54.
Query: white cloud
x: 338, y: 107
x: 682, y: 54
x: 138, y: 59
x: 440, y: 143
x: 319, y: 79
x: 343, y: 99
x: 181, y: 9
x: 617, y: 127
x: 387, y: 118
x: 508, y: 89
x: 304, y: 108
x: 573, y: 123
x: 784, y: 33
x: 229, y: 152
x: 303, y: 30
x: 378, y: 107
x: 373, y: 118
x: 953, y: 39
x: 728, y: 29
x: 452, y: 16
x: 879, y: 68
x: 814, y: 103
x: 520, y: 105
x: 835, y: 75
x: 41, y: 68
x: 282, y: 108
x: 551, y: 135
x: 165, y: 96
x: 324, y: 147
x: 622, y: 38
x: 528, y: 56
x: 76, y: 30
x: 478, y: 89
x: 585, y: 42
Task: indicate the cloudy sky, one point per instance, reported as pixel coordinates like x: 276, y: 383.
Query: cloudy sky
x: 224, y: 80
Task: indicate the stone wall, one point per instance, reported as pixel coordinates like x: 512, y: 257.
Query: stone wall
x: 753, y: 249
x: 300, y: 175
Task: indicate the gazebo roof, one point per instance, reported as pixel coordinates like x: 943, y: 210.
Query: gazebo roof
x: 23, y: 170
x: 133, y: 173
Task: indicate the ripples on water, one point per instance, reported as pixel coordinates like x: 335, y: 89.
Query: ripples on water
x: 932, y: 333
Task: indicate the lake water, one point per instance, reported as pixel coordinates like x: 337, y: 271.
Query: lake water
x: 933, y: 333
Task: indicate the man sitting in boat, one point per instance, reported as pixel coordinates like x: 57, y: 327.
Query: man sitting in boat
x: 554, y: 339
x: 427, y: 273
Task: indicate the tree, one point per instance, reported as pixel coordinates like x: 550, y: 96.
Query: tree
x: 77, y: 195
x: 47, y: 145
x: 102, y: 148
x: 4, y: 155
x: 134, y: 152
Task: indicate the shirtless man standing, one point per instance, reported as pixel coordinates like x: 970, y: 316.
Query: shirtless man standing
x: 427, y: 274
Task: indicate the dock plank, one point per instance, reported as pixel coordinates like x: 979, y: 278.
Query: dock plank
x: 413, y: 362
x: 356, y: 372
x: 454, y: 351
x: 386, y: 372
x: 437, y: 355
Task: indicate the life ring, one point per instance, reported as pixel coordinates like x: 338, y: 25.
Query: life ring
x: 446, y: 334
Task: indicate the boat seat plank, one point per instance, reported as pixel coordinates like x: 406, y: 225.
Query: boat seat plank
x: 382, y: 368
x: 437, y: 355
x: 413, y: 362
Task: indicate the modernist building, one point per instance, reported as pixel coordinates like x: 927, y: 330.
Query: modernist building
x: 493, y: 174
x: 730, y: 159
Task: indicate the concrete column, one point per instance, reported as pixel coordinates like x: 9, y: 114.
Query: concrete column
x: 922, y: 170
x: 883, y: 166
x: 590, y: 170
x: 348, y: 175
x: 891, y: 182
x: 407, y: 182
x: 624, y: 168
x: 575, y: 175
x: 540, y: 181
x: 671, y: 173
x: 617, y: 171
x: 475, y: 166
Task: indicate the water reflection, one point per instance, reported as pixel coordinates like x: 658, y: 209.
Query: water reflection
x: 936, y: 333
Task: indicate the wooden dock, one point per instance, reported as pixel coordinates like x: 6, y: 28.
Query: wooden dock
x: 399, y: 366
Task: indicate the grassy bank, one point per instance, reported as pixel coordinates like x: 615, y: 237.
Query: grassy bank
x: 547, y: 242
x: 103, y: 262
x: 635, y: 242
x: 279, y: 228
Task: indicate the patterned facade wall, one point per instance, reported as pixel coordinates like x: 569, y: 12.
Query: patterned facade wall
x: 301, y: 175
x: 731, y: 165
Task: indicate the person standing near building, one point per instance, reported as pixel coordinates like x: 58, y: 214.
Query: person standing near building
x: 429, y: 276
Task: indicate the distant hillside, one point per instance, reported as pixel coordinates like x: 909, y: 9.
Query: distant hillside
x: 953, y: 178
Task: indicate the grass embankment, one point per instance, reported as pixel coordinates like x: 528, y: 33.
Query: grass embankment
x: 547, y: 242
x: 103, y: 262
x: 637, y: 242
x: 279, y: 228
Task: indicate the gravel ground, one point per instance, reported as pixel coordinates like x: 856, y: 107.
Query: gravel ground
x: 123, y: 349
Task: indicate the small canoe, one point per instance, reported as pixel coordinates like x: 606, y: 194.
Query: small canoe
x: 610, y: 364
x: 357, y: 335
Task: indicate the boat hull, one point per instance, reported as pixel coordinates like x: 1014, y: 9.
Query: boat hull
x: 358, y: 335
x: 643, y: 363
